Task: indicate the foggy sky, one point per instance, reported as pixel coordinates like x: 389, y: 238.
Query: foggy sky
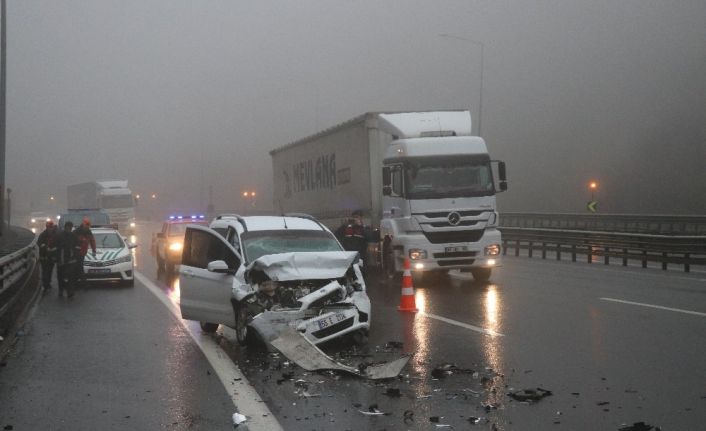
x: 179, y: 95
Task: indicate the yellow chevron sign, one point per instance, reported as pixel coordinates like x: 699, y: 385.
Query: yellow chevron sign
x: 592, y: 206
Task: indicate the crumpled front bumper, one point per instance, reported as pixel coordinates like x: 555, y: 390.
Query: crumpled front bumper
x: 317, y: 324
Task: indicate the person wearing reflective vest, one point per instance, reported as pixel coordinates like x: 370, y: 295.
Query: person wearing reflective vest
x: 353, y: 235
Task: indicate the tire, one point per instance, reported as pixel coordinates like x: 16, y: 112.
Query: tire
x: 481, y: 275
x: 208, y: 327
x: 243, y: 334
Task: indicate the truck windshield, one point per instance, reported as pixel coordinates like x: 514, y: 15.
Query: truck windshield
x: 117, y: 201
x: 444, y: 177
x: 260, y: 243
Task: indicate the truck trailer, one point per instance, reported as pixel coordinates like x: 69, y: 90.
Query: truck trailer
x: 421, y: 179
x: 112, y: 197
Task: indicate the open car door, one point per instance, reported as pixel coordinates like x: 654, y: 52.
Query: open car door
x: 206, y: 276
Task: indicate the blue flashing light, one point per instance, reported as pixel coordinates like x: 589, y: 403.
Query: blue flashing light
x: 193, y: 217
x: 201, y: 216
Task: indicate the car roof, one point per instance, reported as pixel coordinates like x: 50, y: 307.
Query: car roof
x: 260, y: 223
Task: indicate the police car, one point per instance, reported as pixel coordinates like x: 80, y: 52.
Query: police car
x: 167, y: 244
x: 113, y: 260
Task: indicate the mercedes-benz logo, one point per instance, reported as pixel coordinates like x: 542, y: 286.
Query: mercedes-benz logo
x: 454, y: 218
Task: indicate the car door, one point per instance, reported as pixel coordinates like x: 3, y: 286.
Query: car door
x: 205, y: 295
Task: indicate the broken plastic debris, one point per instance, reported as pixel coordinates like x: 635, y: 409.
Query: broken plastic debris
x: 238, y: 419
x: 637, y: 426
x: 301, y: 351
x: 529, y: 394
x: 474, y: 420
x: 373, y: 411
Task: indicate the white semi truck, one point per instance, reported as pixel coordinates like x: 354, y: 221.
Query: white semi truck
x: 419, y: 177
x: 113, y: 197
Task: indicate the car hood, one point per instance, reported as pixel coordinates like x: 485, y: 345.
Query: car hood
x: 304, y: 265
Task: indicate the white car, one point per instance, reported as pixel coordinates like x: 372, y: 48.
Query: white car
x: 113, y: 260
x: 264, y: 274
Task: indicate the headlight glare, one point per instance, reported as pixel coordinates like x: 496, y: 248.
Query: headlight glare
x: 416, y: 254
x: 176, y: 246
x: 492, y: 250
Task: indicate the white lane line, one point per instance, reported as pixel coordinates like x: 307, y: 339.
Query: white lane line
x: 461, y: 324
x: 244, y: 397
x: 659, y: 307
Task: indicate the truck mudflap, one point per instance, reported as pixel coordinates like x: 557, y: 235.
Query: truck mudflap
x: 301, y: 351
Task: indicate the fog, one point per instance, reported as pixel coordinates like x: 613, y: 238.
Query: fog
x: 180, y: 96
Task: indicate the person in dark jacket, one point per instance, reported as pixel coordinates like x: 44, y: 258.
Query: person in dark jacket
x: 67, y: 250
x: 47, y: 253
x: 354, y: 235
x: 85, y: 239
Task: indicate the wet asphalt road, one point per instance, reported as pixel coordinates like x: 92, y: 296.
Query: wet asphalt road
x: 606, y: 363
x: 558, y: 327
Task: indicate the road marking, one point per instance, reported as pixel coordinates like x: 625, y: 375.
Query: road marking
x: 461, y: 324
x: 245, y: 399
x: 659, y: 307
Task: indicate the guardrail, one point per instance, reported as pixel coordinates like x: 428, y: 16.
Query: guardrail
x: 18, y: 284
x: 626, y: 223
x: 680, y: 250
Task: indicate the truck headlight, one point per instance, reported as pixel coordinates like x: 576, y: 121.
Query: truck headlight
x: 416, y: 254
x: 492, y: 250
x: 175, y: 246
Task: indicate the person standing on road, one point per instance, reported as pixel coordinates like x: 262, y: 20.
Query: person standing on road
x: 353, y: 235
x: 67, y: 250
x: 85, y: 238
x: 47, y: 253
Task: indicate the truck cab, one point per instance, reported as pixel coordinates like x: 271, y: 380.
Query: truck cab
x: 438, y: 204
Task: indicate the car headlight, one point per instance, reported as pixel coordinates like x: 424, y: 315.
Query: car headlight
x: 132, y: 224
x: 492, y: 250
x: 416, y: 254
x: 126, y: 258
x: 34, y: 220
x: 175, y: 246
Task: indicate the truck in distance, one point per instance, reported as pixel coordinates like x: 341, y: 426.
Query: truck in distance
x: 112, y: 197
x: 421, y: 178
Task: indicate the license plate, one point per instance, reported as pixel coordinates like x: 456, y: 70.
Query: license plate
x: 455, y: 249
x: 331, y: 320
x: 99, y: 271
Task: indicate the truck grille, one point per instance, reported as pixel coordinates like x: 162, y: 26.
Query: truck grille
x: 454, y: 236
x: 444, y: 214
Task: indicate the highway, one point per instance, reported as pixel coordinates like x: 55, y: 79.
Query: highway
x: 608, y: 347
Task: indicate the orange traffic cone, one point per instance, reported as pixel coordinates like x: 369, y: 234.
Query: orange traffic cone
x: 407, y: 302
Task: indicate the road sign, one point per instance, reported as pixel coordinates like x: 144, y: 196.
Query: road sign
x: 592, y: 206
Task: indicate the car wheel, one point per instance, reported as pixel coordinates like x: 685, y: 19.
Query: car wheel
x: 243, y: 334
x: 208, y: 327
x: 481, y: 275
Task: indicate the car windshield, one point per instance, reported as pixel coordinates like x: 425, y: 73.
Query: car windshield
x: 260, y: 243
x: 108, y: 240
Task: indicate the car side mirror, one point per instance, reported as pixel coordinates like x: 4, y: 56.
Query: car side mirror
x: 160, y: 235
x: 218, y: 266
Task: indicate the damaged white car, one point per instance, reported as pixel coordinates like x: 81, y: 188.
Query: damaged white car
x: 266, y: 274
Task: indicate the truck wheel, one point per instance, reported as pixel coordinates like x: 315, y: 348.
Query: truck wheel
x: 208, y: 327
x: 243, y: 334
x: 481, y: 275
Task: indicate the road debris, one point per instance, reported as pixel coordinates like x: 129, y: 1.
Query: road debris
x: 301, y: 351
x: 373, y: 411
x: 529, y: 394
x: 639, y: 426
x: 408, y: 416
x: 238, y: 419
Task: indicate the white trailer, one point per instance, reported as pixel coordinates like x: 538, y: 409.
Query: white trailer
x: 113, y: 197
x: 419, y: 177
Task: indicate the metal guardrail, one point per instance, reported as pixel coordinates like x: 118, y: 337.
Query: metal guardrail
x: 626, y: 223
x: 680, y: 250
x: 18, y: 274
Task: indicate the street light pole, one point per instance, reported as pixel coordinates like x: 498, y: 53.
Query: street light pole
x: 3, y: 75
x: 482, y: 60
